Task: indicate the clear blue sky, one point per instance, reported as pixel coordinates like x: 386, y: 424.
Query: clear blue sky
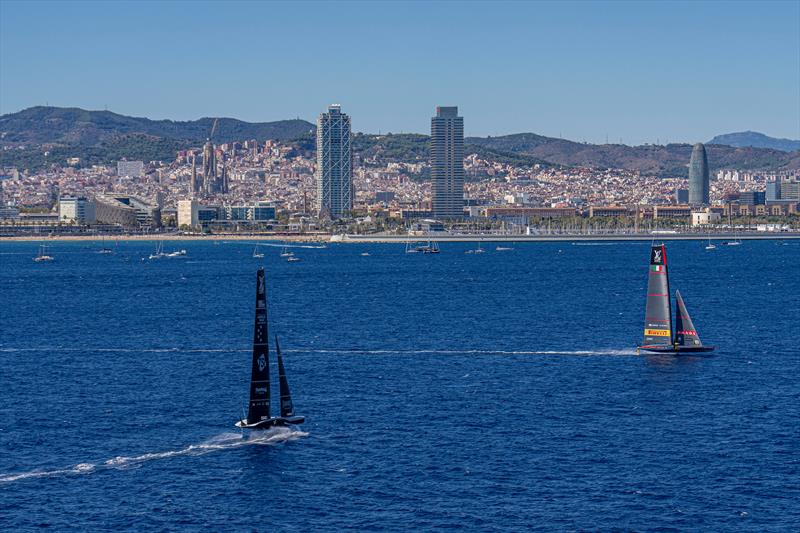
x: 639, y: 71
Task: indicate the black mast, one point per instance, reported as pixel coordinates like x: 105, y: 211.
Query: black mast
x: 258, y: 408
x: 287, y: 407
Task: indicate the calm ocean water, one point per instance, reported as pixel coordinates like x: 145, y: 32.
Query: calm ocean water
x: 498, y: 391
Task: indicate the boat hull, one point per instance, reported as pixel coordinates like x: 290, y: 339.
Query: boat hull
x: 677, y: 350
x: 275, y: 421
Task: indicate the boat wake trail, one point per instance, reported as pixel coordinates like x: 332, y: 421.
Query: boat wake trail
x: 225, y: 441
x: 475, y: 352
x: 337, y: 351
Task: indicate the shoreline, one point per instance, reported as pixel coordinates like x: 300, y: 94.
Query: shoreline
x: 402, y: 239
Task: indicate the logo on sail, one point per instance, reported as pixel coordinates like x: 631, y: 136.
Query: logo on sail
x: 262, y: 363
x: 656, y: 333
x: 658, y: 257
x: 260, y: 284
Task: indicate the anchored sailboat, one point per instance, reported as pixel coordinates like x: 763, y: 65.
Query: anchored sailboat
x: 258, y: 411
x: 659, y: 336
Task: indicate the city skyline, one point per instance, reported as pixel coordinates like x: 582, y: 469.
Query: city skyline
x: 655, y: 73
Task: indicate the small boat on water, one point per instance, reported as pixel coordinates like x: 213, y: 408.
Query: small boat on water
x: 105, y: 249
x: 503, y: 249
x: 659, y: 335
x: 258, y: 410
x: 159, y: 253
x: 286, y: 253
x: 364, y: 254
x: 42, y: 256
x: 292, y: 259
x: 431, y: 247
x: 257, y: 254
x: 477, y: 250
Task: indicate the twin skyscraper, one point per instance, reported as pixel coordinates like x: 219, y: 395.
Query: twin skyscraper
x: 334, y: 177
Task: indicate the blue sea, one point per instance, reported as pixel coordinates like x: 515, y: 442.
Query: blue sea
x: 493, y: 392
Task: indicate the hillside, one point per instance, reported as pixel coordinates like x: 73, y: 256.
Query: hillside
x: 669, y: 160
x: 74, y: 126
x: 755, y: 139
x: 104, y: 137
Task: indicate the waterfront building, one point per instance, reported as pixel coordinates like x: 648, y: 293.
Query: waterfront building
x: 147, y: 214
x: 447, y: 163
x: 681, y: 196
x: 334, y: 173
x: 752, y: 197
x: 187, y: 213
x: 672, y: 211
x: 9, y: 213
x: 78, y: 209
x: 260, y: 211
x: 530, y: 212
x: 698, y: 176
x: 773, y: 191
x: 705, y: 217
x: 790, y: 190
x: 111, y: 211
x: 130, y: 169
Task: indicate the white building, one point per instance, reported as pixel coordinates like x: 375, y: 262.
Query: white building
x: 187, y: 213
x: 76, y: 209
x: 705, y: 217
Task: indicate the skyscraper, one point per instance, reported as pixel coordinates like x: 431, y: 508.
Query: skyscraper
x: 698, y: 176
x: 334, y: 163
x: 447, y: 163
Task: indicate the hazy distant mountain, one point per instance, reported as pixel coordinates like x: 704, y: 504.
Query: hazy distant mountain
x: 756, y: 140
x: 74, y: 126
x: 669, y: 160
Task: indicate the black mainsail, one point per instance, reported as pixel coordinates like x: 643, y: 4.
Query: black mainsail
x: 658, y: 314
x: 287, y: 407
x: 258, y: 408
x: 658, y: 333
x: 258, y: 415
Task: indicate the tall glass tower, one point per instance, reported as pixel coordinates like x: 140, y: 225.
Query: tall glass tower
x: 334, y: 163
x: 447, y: 163
x: 698, y: 176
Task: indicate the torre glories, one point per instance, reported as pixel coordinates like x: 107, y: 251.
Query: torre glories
x: 698, y: 176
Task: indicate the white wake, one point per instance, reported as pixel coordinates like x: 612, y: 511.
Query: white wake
x: 225, y: 441
x: 340, y: 351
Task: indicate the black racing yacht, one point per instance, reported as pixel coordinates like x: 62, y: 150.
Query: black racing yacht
x: 659, y: 335
x: 258, y: 410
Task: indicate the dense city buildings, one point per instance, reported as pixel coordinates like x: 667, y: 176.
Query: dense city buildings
x: 334, y: 175
x: 274, y: 186
x: 447, y: 163
x: 698, y: 176
x: 130, y: 169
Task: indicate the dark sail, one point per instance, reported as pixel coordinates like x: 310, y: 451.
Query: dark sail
x: 658, y: 312
x: 258, y: 408
x: 685, y: 334
x: 287, y: 407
